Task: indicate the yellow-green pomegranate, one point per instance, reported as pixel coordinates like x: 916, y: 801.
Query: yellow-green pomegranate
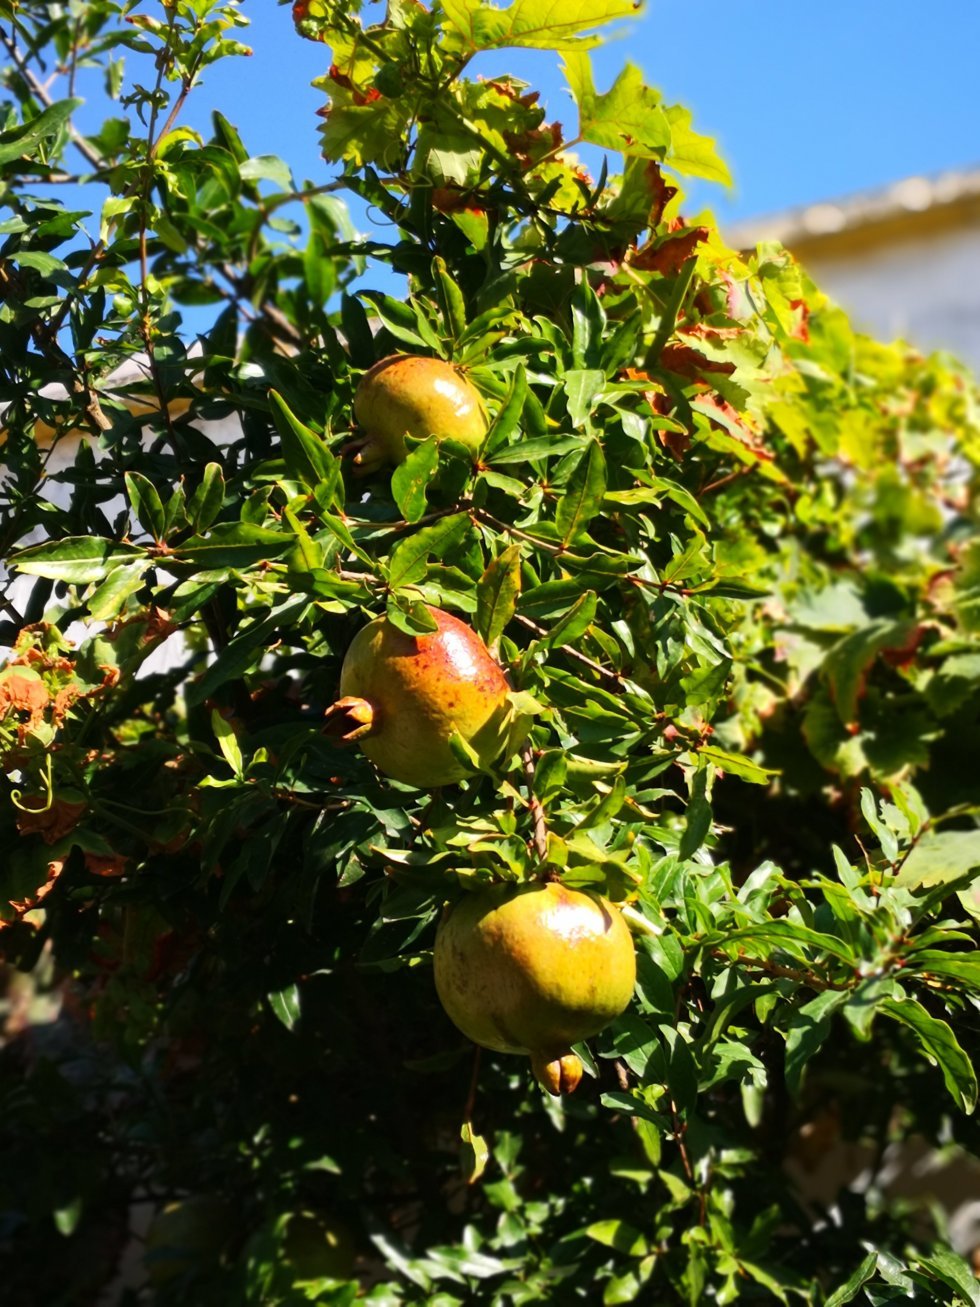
x: 403, y: 696
x: 406, y: 395
x: 534, y: 969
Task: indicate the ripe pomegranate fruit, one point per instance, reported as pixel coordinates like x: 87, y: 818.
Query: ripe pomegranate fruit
x: 405, y: 695
x: 533, y: 969
x: 406, y: 395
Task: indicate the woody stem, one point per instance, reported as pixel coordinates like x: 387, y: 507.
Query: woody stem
x: 540, y: 837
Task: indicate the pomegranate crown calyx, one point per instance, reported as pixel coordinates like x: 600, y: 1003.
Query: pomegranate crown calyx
x: 350, y: 719
x: 558, y: 1075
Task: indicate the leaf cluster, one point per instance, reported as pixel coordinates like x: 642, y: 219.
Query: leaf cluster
x: 724, y: 547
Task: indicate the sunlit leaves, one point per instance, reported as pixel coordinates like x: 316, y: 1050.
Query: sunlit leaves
x: 628, y: 118
x: 544, y: 24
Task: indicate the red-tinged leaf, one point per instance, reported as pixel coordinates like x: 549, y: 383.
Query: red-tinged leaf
x: 52, y: 821
x: 106, y: 865
x: 670, y: 253
x: 707, y: 331
x: 661, y: 191
x: 802, y: 330
x: 675, y: 442
x: 688, y: 362
x: 722, y: 413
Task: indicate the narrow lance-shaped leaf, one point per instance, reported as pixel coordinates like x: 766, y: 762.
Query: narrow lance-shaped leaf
x: 508, y: 418
x: 285, y: 1004
x: 410, y: 479
x: 77, y: 560
x: 227, y: 742
x: 205, y: 503
x: 406, y: 323
x: 573, y: 623
x: 308, y: 553
x: 941, y: 1046
x: 450, y: 299
x: 733, y: 764
x: 807, y: 1032
x: 24, y: 140
x: 146, y: 504
x: 497, y: 593
x: 409, y: 557
x: 583, y: 495
x: 410, y: 615
x: 307, y: 457
x: 107, y: 600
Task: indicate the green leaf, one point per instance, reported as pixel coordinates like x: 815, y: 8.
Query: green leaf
x: 506, y: 424
x: 497, y: 593
x: 692, y: 153
x: 581, y: 386
x: 939, y: 962
x: 474, y: 1153
x: 607, y: 807
x: 76, y: 560
x: 846, y: 665
x: 146, y: 504
x: 106, y: 602
x: 807, y: 1032
x: 550, y: 772
x: 308, y: 554
x: 953, y: 1271
x: 629, y: 117
x: 24, y: 140
x: 620, y: 1235
x: 285, y: 1004
x: 205, y: 503
x: 940, y: 1046
x: 235, y: 544
x: 66, y: 1218
x: 530, y: 451
x: 940, y: 859
x: 734, y: 764
x: 793, y: 937
x: 538, y: 24
x: 267, y: 167
x: 583, y: 495
x: 408, y: 558
x: 851, y: 1287
x: 697, y: 819
x: 410, y: 615
x: 574, y: 623
x: 227, y: 743
x: 306, y: 456
x: 405, y: 322
x: 410, y: 479
x: 450, y: 297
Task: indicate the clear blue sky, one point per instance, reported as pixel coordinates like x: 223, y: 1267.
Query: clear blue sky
x: 808, y: 101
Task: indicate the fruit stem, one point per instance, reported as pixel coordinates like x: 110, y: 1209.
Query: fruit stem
x: 540, y: 837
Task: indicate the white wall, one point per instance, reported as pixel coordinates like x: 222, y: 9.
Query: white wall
x: 926, y: 290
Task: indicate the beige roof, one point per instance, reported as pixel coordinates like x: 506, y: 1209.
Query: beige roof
x: 908, y: 207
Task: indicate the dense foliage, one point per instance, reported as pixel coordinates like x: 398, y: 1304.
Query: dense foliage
x: 726, y: 550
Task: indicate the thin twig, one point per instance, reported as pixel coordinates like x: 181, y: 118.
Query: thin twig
x: 534, y: 803
x: 615, y: 678
x: 489, y: 520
